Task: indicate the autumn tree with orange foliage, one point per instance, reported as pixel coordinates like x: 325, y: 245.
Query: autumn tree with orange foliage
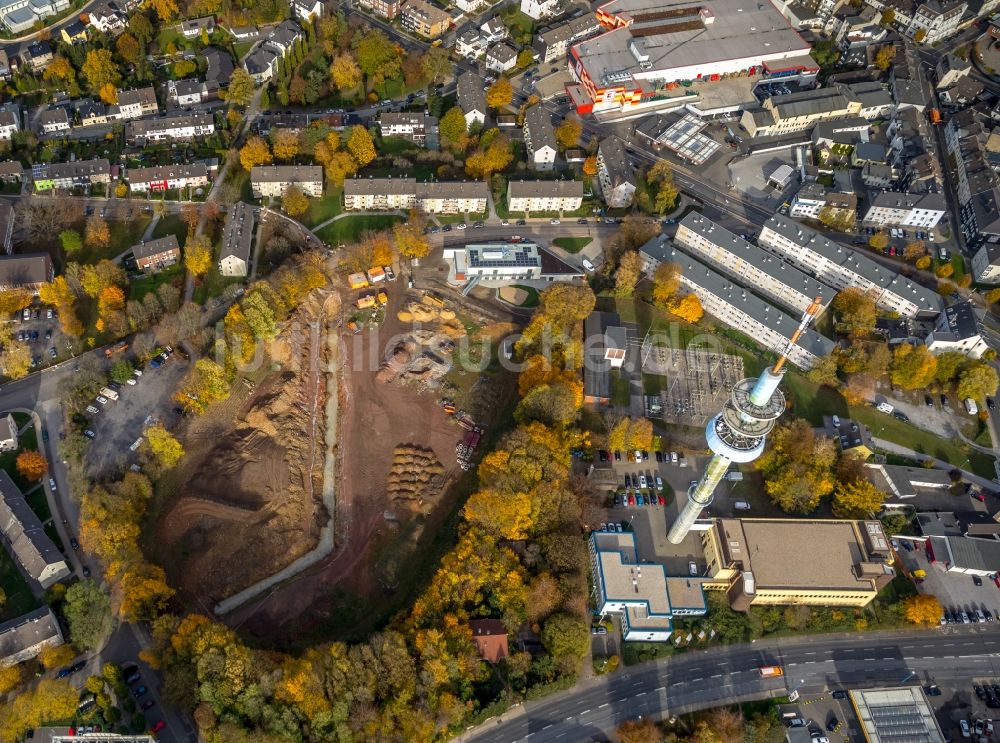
x: 111, y: 299
x: 31, y: 465
x: 922, y: 608
x: 687, y: 308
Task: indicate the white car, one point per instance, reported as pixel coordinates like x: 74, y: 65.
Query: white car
x: 460, y: 226
x: 588, y: 266
x: 554, y: 221
x: 137, y: 372
x: 131, y: 381
x: 102, y: 399
x: 91, y: 409
x: 642, y: 481
x: 820, y: 739
x: 52, y: 485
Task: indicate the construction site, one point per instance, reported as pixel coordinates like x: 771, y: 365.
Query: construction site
x: 697, y: 382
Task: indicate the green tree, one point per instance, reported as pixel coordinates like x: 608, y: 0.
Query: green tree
x: 436, y: 64
x: 167, y: 449
x: 568, y: 133
x: 87, y: 609
x: 628, y: 274
x: 977, y: 381
x: 71, y: 241
x: 857, y: 311
x: 241, y: 87
x: 948, y: 366
x: 121, y: 371
x: 566, y: 636
x: 452, y: 127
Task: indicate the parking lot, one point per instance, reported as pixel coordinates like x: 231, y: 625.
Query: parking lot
x: 38, y: 327
x: 118, y: 423
x: 957, y: 592
x: 826, y: 717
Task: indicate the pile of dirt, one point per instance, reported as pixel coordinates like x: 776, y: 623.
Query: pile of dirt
x: 431, y: 311
x: 421, y: 357
x: 416, y: 478
x: 263, y: 468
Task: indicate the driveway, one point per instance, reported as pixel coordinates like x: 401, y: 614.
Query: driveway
x: 955, y: 591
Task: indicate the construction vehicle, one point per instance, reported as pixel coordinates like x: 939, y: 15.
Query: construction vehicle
x: 365, y: 302
x: 771, y: 671
x: 382, y: 297
x: 353, y: 327
x: 109, y: 352
x: 935, y: 115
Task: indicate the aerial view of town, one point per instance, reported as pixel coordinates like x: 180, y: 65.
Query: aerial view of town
x: 499, y: 371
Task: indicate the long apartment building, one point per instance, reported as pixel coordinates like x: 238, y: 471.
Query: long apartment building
x: 796, y: 112
x: 181, y: 127
x: 25, y: 538
x: 376, y: 194
x: 752, y: 266
x: 891, y: 209
x: 978, y: 190
x: 237, y: 237
x: 554, y: 43
x: 164, y: 177
x: 769, y: 562
x: 841, y: 267
x: 544, y: 196
x: 736, y: 306
x: 270, y: 181
x: 46, y: 176
x: 540, y: 138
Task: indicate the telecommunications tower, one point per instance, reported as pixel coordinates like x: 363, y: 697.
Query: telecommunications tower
x: 737, y: 433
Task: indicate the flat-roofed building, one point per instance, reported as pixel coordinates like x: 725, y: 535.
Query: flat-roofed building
x: 237, y: 237
x: 503, y: 262
x: 25, y: 271
x: 615, y: 173
x: 736, y: 306
x: 435, y: 197
x: 754, y: 267
x: 26, y: 636
x: 25, y: 538
x: 544, y: 196
x: 773, y: 561
x: 269, y: 181
x: 891, y: 715
x: 164, y: 177
x: 841, y: 267
x: 606, y: 341
x: 154, y: 255
x: 684, y: 137
x: 639, y: 592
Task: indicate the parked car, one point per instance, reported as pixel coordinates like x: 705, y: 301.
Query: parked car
x: 147, y: 704
x: 618, y: 455
x: 976, y: 580
x: 659, y: 456
x: 89, y: 434
x: 52, y: 485
x: 554, y: 221
x: 928, y: 401
x: 73, y: 543
x: 642, y: 481
x: 693, y: 567
x: 139, y: 691
x: 160, y: 724
x: 839, y: 694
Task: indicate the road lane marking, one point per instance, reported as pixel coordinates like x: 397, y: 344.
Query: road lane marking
x: 547, y: 726
x: 585, y: 712
x: 603, y: 705
x: 661, y: 688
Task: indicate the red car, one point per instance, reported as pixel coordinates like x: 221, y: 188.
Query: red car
x: 663, y: 501
x: 158, y: 727
x: 631, y: 499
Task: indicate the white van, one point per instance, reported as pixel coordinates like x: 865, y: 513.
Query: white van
x: 673, y: 457
x: 970, y: 406
x: 588, y: 266
x: 741, y: 505
x: 884, y: 407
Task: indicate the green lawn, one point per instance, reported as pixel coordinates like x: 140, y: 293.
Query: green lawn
x: 322, y: 209
x: 141, y: 287
x: 240, y: 48
x: 347, y: 229
x: 653, y: 384
x: 390, y: 89
x: 171, y: 224
x: 213, y: 284
x: 396, y: 146
x: 15, y: 587
x: 572, y: 244
x: 36, y: 499
x: 123, y: 236
x: 532, y: 299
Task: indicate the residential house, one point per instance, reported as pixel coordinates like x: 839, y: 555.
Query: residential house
x: 539, y: 138
x: 271, y: 181
x: 544, y: 196
x: 192, y: 27
x: 136, y: 103
x: 501, y: 57
x: 11, y: 171
x: 38, y: 55
x: 553, y: 44
x: 25, y: 537
x: 26, y: 636
x: 220, y: 67
x: 470, y: 44
x: 470, y: 6
x: 54, y: 120
x: 538, y: 9
x: 261, y: 64
x: 177, y: 127
x: 958, y: 329
x: 407, y: 124
x: 472, y: 98
x: 237, y: 237
x: 384, y: 8
x: 75, y: 174
x: 493, y: 30
x: 8, y: 433
x: 307, y: 10
x: 918, y: 211
x: 435, y: 197
x: 10, y: 120
x: 74, y: 33
x: 950, y: 69
x: 107, y: 17
x: 25, y: 271
x: 164, y: 177
x: 808, y: 202
x: 91, y: 113
x: 490, y: 638
x: 244, y: 33
x: 187, y: 92
x: 284, y: 36
x: 155, y: 255
x: 615, y: 173
x: 424, y: 19
x: 5, y: 68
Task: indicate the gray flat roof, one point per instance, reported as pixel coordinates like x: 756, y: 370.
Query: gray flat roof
x: 544, y: 189
x: 896, y: 715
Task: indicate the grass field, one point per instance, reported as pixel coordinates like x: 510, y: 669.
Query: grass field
x: 572, y: 244
x: 532, y: 299
x: 15, y: 587
x: 141, y: 287
x: 322, y: 209
x: 171, y: 224
x: 240, y: 48
x: 620, y: 393
x: 123, y: 236
x: 347, y: 229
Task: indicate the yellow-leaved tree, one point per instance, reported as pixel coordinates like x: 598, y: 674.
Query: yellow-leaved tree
x: 922, y: 609
x: 167, y: 449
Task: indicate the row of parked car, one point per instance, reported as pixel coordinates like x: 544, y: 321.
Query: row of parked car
x: 989, y: 693
x: 637, y: 456
x: 960, y: 616
x: 134, y: 679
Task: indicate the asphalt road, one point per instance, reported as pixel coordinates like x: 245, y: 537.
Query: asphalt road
x: 700, y: 680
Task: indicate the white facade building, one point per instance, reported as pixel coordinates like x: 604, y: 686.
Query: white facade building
x: 544, y: 196
x: 270, y: 181
x: 920, y: 211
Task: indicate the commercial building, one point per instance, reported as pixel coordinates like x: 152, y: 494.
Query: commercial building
x: 640, y: 593
x: 177, y: 127
x: 544, y: 196
x: 164, y: 177
x: 957, y: 329
x: 19, y: 16
x: 424, y: 19
x: 968, y: 555
x: 472, y: 98
x: 736, y: 306
x: 799, y: 111
x: 554, y: 43
x: 237, y: 237
x: 504, y: 262
x: 539, y: 138
x: 25, y: 537
x: 754, y: 267
x: 840, y: 267
x: 24, y: 637
x: 650, y: 44
x: 79, y: 173
x: 270, y: 181
x: 684, y: 137
x: 804, y: 562
x: 26, y: 271
x: 888, y: 715
x: 134, y: 104
x: 919, y: 211
x: 435, y: 197
x: 615, y: 173
x: 155, y: 255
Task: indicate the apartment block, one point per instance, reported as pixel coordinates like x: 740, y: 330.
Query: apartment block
x: 840, y: 267
x: 920, y: 211
x: 407, y: 124
x: 383, y: 8
x: 270, y: 181
x: 957, y: 329
x: 424, y: 19
x: 736, y: 306
x: 237, y: 237
x: 26, y: 636
x: 966, y: 136
x: 615, y: 173
x: 799, y: 111
x: 539, y: 138
x: 25, y: 538
x: 752, y: 266
x: 554, y: 43
x: 164, y: 177
x: 155, y: 255
x: 544, y: 196
x: 25, y: 270
x: 804, y: 562
x: 374, y: 194
x: 179, y: 127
